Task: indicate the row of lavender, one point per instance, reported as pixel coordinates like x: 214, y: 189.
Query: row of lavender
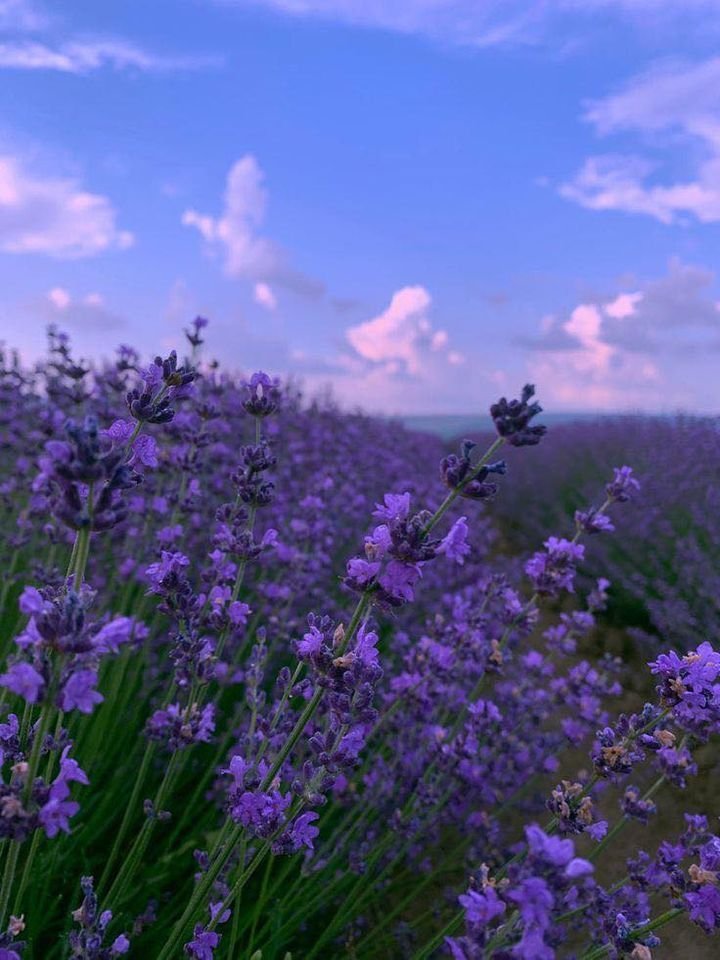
x: 265, y: 695
x: 666, y: 565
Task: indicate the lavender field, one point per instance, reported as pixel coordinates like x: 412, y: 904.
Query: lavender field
x: 285, y: 682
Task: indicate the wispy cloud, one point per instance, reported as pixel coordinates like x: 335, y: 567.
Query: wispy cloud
x: 486, y: 23
x: 85, y: 56
x: 235, y: 233
x: 54, y: 216
x: 22, y: 15
x: 32, y: 39
x: 679, y: 101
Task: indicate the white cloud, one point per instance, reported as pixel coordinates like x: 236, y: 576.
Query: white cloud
x: 680, y: 101
x: 84, y: 56
x: 235, y: 234
x: 623, y: 305
x: 397, y: 333
x: 54, y: 216
x: 398, y: 361
x: 264, y: 295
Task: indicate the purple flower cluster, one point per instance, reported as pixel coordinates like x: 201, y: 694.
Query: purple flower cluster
x: 690, y: 686
x: 552, y: 570
x: 87, y: 941
x: 532, y: 893
x: 25, y: 806
x: 60, y: 649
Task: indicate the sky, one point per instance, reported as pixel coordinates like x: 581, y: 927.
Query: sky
x: 420, y: 204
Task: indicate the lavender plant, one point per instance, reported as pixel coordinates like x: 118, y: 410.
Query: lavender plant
x: 270, y: 690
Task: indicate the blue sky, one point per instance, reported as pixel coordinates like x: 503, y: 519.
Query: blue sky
x: 422, y: 203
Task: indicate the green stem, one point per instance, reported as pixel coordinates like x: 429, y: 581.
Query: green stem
x: 259, y: 905
x: 25, y: 876
x: 131, y: 808
x: 235, y: 928
x: 137, y: 851
x: 229, y: 836
x: 8, y: 879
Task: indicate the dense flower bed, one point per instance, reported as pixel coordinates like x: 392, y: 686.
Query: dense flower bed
x: 666, y: 565
x: 267, y: 691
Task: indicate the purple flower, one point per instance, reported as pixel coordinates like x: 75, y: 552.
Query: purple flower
x: 55, y: 814
x: 361, y: 571
x: 366, y: 647
x: 180, y: 726
x: 704, y: 906
x: 302, y: 831
x: 378, y: 544
x: 261, y: 812
x: 24, y: 680
x: 592, y: 521
x: 398, y: 580
x: 109, y: 638
x: 311, y: 643
x: 481, y: 908
x: 551, y: 849
x: 120, y: 945
x: 78, y: 692
x: 455, y: 545
x: 623, y: 484
x: 169, y: 563
x: 690, y: 686
x: 512, y: 419
x: 395, y: 506
x: 262, y: 395
x: 535, y: 901
x: 144, y: 448
x: 238, y: 613
x: 553, y: 570
x: 31, y: 602
x: 203, y: 944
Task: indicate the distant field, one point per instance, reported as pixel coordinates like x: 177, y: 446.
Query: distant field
x: 452, y: 425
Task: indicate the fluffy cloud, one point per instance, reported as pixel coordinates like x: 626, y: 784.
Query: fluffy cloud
x: 395, y: 362
x: 54, y: 216
x: 401, y: 338
x: 626, y: 350
x: 396, y: 333
x: 680, y: 101
x: 235, y: 233
x: 486, y: 23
